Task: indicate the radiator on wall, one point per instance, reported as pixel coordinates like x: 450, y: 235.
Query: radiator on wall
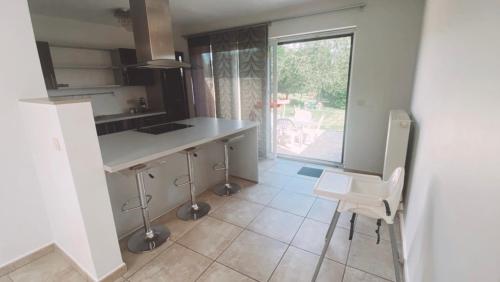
x: 397, y: 141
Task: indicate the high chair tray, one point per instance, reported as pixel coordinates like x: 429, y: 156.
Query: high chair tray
x: 333, y: 185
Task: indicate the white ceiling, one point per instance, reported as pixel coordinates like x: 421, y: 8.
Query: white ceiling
x: 190, y: 15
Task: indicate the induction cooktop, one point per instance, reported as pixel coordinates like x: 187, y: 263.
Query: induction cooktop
x: 163, y: 128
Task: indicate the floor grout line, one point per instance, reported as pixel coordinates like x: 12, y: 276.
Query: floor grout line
x: 290, y: 244
x: 372, y: 274
x: 149, y: 261
x: 246, y: 228
x: 204, y: 271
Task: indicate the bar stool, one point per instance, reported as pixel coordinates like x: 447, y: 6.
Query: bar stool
x: 149, y: 237
x: 191, y: 210
x: 227, y: 188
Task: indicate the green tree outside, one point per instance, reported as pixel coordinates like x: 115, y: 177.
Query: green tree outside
x: 313, y: 74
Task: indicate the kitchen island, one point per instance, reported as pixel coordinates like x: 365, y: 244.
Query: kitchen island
x: 126, y: 149
x: 162, y: 154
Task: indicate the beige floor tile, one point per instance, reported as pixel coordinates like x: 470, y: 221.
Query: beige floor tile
x: 368, y: 226
x: 27, y: 259
x: 177, y: 227
x: 254, y: 255
x: 211, y: 237
x: 286, y: 167
x: 301, y: 186
x: 258, y: 193
x: 276, y: 224
x: 366, y: 255
x: 274, y: 179
x: 220, y: 273
x: 299, y: 265
x: 4, y: 270
x: 266, y: 164
x: 241, y: 182
x: 292, y: 202
x: 215, y: 201
x: 5, y: 279
x: 135, y: 262
x: 177, y: 263
x: 51, y: 267
x: 355, y: 275
x: 322, y: 210
x: 238, y: 212
x: 311, y: 237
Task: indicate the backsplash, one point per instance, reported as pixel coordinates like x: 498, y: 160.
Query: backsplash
x: 110, y: 101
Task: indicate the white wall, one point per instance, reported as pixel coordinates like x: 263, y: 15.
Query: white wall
x: 70, y: 32
x: 452, y: 219
x: 69, y: 166
x: 41, y: 123
x: 116, y: 100
x: 62, y: 31
x: 23, y: 218
x: 385, y: 49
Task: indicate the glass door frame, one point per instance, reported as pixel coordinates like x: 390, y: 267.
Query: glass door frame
x: 274, y: 42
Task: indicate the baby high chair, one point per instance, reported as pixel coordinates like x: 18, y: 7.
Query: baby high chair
x: 363, y: 194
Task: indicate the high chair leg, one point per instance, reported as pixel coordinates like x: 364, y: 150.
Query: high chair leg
x: 328, y: 238
x: 395, y: 253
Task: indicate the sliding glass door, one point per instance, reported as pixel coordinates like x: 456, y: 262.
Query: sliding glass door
x: 310, y: 86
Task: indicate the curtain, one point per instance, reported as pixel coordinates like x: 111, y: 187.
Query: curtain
x: 202, y: 76
x: 237, y: 80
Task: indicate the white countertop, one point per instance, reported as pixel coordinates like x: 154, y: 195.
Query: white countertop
x: 128, y: 148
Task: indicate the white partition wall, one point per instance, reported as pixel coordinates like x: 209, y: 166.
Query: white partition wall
x: 69, y: 166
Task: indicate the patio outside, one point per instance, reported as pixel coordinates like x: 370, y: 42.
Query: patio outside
x: 313, y: 79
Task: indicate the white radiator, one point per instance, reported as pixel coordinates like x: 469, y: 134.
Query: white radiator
x: 397, y: 141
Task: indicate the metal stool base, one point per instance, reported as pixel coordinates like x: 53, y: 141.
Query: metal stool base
x: 138, y: 243
x: 186, y: 212
x: 223, y: 189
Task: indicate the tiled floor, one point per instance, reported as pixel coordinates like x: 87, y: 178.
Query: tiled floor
x: 272, y: 231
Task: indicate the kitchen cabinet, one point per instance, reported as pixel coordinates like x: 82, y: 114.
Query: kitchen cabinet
x: 49, y: 74
x: 123, y: 57
x: 174, y: 92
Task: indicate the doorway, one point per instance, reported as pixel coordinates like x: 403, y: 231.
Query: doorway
x: 310, y: 89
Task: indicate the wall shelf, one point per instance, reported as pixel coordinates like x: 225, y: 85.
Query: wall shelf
x: 80, y: 67
x: 89, y: 87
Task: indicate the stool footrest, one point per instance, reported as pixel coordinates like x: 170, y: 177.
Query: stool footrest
x: 187, y: 182
x: 219, y: 166
x: 124, y: 209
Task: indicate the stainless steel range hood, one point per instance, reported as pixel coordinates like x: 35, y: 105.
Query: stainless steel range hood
x: 153, y: 35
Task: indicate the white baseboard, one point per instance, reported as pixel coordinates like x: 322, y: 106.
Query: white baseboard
x: 405, y: 247
x: 111, y: 276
